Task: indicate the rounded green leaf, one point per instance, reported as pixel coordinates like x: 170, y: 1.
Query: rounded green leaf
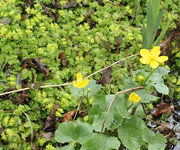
x: 101, y: 142
x: 73, y: 131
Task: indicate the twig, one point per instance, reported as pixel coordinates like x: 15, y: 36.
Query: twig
x: 158, y: 123
x: 25, y: 89
x: 113, y: 100
x: 111, y: 65
x: 66, y: 84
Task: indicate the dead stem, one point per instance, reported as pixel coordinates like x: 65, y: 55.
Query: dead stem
x: 66, y: 84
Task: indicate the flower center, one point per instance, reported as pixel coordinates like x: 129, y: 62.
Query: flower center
x: 153, y: 58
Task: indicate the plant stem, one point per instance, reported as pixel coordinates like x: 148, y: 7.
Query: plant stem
x: 143, y: 106
x: 134, y: 110
x: 130, y: 106
x: 113, y: 100
x: 111, y: 65
x: 149, y: 75
x: 66, y: 84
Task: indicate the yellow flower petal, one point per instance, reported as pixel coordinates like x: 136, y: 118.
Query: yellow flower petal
x: 154, y: 64
x: 162, y: 59
x: 133, y: 97
x: 79, y: 75
x: 80, y: 82
x: 74, y: 83
x: 155, y: 52
x: 145, y: 60
x: 145, y: 53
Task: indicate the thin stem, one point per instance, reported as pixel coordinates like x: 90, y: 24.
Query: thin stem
x: 143, y: 106
x: 130, y: 106
x: 78, y: 108
x: 112, y: 65
x: 66, y: 84
x: 149, y: 75
x: 113, y: 100
x: 134, y: 110
x: 25, y: 89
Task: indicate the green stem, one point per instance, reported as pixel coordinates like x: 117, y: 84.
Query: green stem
x: 149, y: 75
x: 130, y: 106
x: 134, y: 110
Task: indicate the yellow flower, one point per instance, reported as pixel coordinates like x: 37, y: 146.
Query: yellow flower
x: 152, y: 57
x: 80, y: 82
x: 133, y: 97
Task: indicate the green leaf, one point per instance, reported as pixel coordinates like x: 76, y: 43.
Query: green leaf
x: 161, y: 36
x: 120, y: 106
x: 98, y: 111
x: 129, y: 83
x: 162, y: 71
x: 154, y: 16
x: 67, y: 147
x: 101, y: 142
x: 115, y: 116
x: 73, y: 131
x: 146, y: 97
x: 157, y: 142
x: 131, y: 133
x: 162, y: 88
x: 134, y: 133
x: 90, y: 90
x: 157, y: 80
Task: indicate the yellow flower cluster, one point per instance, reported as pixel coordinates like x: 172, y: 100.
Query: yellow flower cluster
x: 80, y: 82
x: 133, y: 97
x: 152, y: 57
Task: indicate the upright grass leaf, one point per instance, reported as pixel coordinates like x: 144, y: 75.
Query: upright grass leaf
x: 163, y: 32
x: 154, y: 16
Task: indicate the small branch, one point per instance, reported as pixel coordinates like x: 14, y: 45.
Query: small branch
x: 113, y: 100
x: 25, y: 89
x: 66, y: 84
x: 15, y: 91
x: 112, y: 65
x: 158, y: 123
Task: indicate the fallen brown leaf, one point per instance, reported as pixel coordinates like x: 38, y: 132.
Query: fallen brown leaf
x: 62, y: 57
x: 50, y: 122
x: 47, y: 135
x: 35, y: 63
x: 167, y: 132
x: 162, y: 108
x: 106, y: 77
x: 100, y: 2
x: 172, y: 36
x: 56, y: 4
x: 71, y: 5
x: 68, y: 116
x: 22, y: 97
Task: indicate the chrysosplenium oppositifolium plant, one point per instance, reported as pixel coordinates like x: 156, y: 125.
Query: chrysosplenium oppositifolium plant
x: 49, y: 41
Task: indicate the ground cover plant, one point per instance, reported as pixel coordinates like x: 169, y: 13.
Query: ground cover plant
x: 89, y: 75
